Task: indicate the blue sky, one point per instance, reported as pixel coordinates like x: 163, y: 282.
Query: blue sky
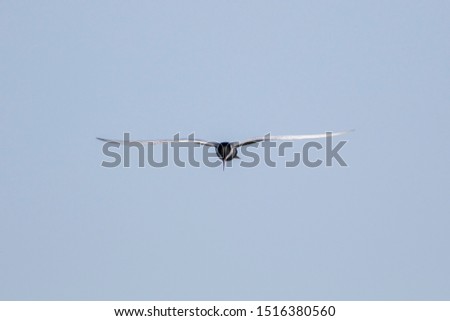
x: 226, y: 70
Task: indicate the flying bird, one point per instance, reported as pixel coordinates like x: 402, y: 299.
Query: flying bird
x: 227, y: 151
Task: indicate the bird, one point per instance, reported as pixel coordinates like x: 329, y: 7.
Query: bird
x: 227, y: 151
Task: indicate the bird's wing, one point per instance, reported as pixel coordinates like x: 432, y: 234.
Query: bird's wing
x: 289, y: 137
x: 160, y: 141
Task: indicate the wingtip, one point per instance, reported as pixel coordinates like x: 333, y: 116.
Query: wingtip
x: 348, y: 131
x: 107, y: 140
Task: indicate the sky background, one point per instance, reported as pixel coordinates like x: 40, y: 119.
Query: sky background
x: 71, y: 71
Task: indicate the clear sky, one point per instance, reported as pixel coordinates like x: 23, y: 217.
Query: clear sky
x: 227, y: 70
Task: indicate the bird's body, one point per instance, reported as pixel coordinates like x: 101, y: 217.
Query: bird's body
x: 227, y: 151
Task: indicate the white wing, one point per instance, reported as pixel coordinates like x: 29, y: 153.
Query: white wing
x: 290, y: 137
x: 160, y: 141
